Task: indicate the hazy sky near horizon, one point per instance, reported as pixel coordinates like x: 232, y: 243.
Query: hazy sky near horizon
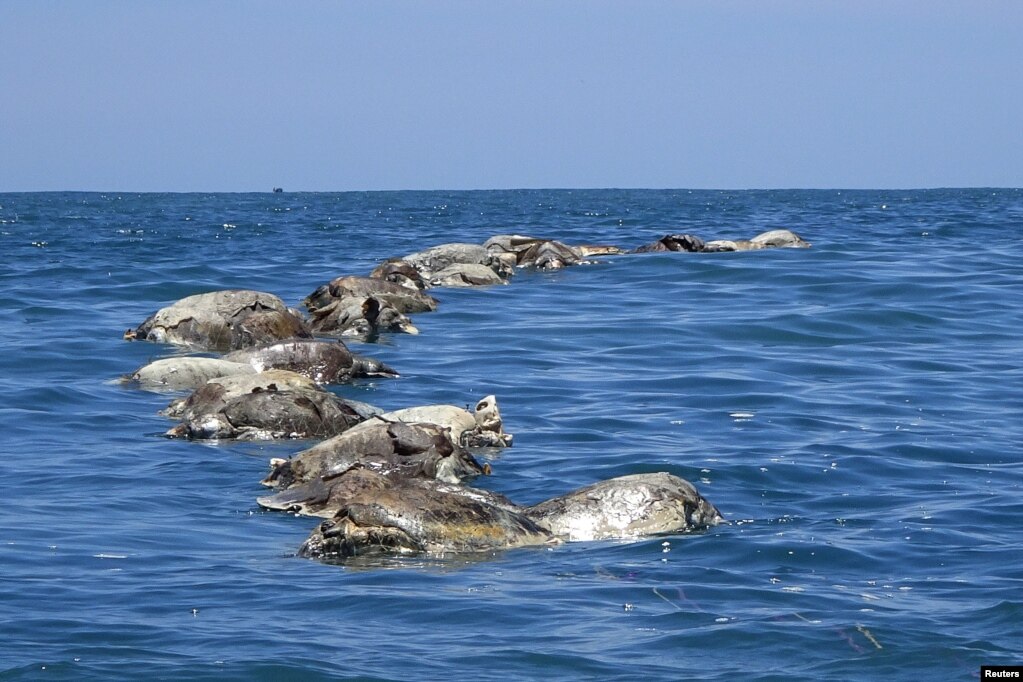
x: 445, y: 94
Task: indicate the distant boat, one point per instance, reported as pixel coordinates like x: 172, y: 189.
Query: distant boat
x: 278, y: 190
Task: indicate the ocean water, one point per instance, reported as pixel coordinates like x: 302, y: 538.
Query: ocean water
x: 853, y: 409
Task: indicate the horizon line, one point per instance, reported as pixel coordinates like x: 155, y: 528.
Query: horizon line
x: 274, y: 190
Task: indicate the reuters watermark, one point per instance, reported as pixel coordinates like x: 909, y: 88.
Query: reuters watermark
x: 1001, y: 672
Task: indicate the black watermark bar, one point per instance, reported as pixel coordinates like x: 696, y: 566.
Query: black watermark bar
x: 1001, y: 672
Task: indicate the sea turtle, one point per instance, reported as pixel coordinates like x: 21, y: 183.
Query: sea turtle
x: 325, y: 496
x: 544, y: 254
x: 361, y: 318
x: 184, y: 372
x: 397, y: 271
x: 466, y: 275
x: 222, y: 321
x: 271, y: 414
x: 779, y: 239
x: 719, y: 245
x: 674, y: 242
x: 481, y: 428
x: 626, y: 507
x: 549, y: 255
x: 454, y: 264
x: 424, y: 450
x: 325, y: 362
x: 216, y: 392
x: 409, y: 516
x: 406, y: 300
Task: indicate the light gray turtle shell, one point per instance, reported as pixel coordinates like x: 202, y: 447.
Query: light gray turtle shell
x: 779, y: 239
x: 481, y: 428
x: 626, y: 507
x: 325, y: 362
x: 184, y: 372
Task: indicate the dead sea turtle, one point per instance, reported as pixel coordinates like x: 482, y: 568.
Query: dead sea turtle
x: 466, y: 275
x: 779, y: 239
x: 626, y: 507
x: 216, y: 392
x: 361, y: 318
x: 550, y: 255
x: 404, y: 299
x: 481, y: 428
x: 399, y: 272
x: 420, y: 516
x: 409, y: 450
x: 325, y: 362
x: 184, y: 372
x: 454, y: 264
x: 327, y: 495
x: 222, y: 320
x: 543, y: 254
x: 272, y: 414
x: 674, y: 242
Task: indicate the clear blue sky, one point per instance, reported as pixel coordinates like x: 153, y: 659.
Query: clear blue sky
x: 238, y: 96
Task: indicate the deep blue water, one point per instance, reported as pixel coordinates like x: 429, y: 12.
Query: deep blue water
x: 854, y: 409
